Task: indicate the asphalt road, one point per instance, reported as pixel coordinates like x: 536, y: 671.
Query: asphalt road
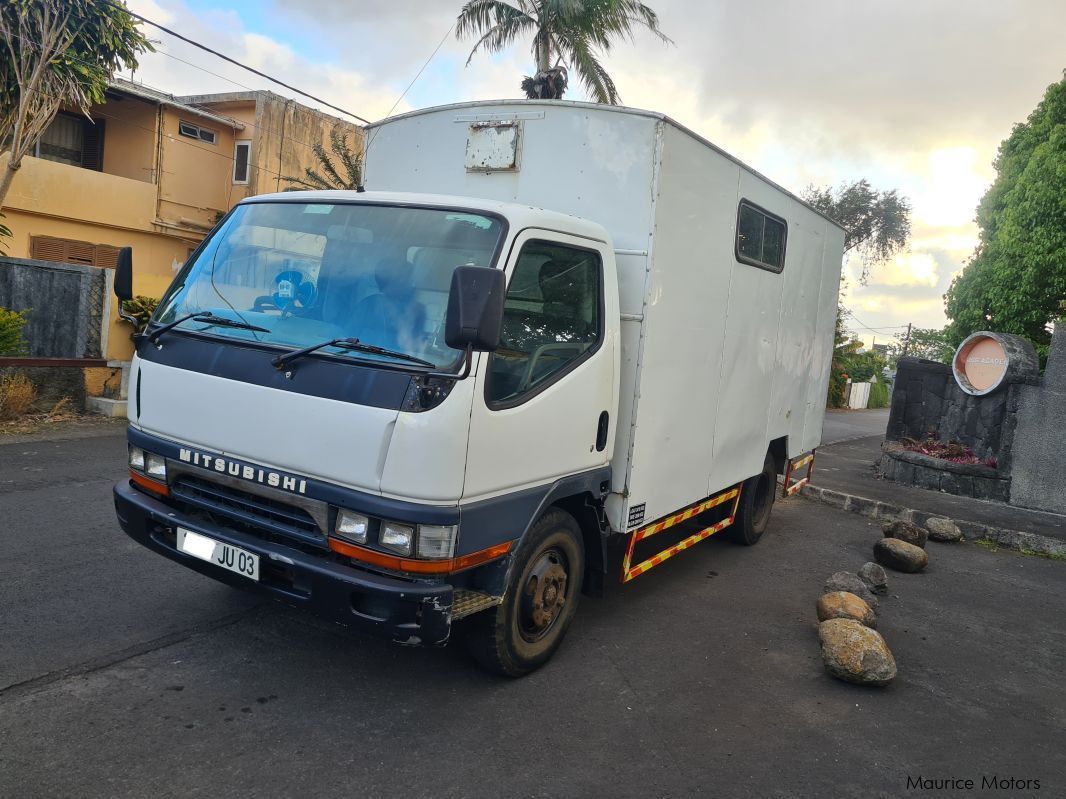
x: 123, y: 675
x: 848, y: 425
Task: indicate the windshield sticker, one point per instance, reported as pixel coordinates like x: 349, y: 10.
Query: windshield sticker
x: 318, y: 209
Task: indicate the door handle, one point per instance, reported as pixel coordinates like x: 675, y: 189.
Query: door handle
x: 601, y: 431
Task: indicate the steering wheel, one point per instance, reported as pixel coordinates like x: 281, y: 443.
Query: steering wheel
x: 577, y: 347
x: 292, y: 290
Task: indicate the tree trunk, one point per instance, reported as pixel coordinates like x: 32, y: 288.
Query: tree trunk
x: 9, y: 175
x: 543, y: 52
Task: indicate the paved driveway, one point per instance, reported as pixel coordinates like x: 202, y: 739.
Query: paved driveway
x: 127, y: 676
x: 848, y: 425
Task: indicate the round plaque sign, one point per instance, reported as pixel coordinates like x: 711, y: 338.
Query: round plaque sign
x: 981, y: 363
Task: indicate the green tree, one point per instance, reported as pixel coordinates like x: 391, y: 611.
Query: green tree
x: 877, y: 224
x: 55, y: 54
x: 1016, y: 280
x: 346, y: 173
x: 923, y: 342
x: 565, y: 33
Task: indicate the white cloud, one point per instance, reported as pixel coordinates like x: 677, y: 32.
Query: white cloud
x: 915, y: 98
x: 908, y: 269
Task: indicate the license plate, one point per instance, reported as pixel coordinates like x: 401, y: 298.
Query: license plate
x: 228, y: 557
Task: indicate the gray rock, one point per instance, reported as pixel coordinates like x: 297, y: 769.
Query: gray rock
x: 846, y: 581
x: 845, y: 605
x: 905, y: 531
x: 900, y: 555
x: 943, y: 530
x: 854, y: 653
x: 874, y: 577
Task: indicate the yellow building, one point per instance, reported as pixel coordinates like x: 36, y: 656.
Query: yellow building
x: 155, y: 172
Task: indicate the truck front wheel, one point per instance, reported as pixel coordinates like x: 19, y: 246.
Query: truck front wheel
x: 756, y: 502
x: 522, y: 633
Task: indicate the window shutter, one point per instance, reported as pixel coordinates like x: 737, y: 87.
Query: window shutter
x: 46, y: 248
x: 106, y: 256
x: 80, y: 252
x: 68, y: 251
x: 92, y: 156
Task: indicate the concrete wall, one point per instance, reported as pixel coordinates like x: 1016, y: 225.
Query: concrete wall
x: 195, y: 177
x: 66, y: 304
x: 129, y: 136
x: 285, y: 133
x: 1039, y: 472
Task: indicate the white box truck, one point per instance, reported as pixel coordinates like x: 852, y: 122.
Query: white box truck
x: 545, y: 324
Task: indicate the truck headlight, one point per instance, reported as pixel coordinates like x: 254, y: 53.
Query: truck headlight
x: 352, y: 526
x: 155, y: 466
x: 397, y: 537
x: 136, y: 459
x: 436, y: 540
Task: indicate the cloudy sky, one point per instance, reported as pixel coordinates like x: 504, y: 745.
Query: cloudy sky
x: 911, y: 94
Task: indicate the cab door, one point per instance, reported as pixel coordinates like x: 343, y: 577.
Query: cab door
x: 544, y: 402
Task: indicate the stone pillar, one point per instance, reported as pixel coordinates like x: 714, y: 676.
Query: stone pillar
x: 1039, y: 456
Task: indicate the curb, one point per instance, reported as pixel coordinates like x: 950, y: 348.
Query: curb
x: 1029, y: 543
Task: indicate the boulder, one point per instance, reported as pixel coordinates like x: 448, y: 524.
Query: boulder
x: 943, y: 530
x: 846, y: 581
x: 900, y: 555
x: 905, y: 531
x: 854, y: 653
x: 874, y: 577
x: 845, y: 605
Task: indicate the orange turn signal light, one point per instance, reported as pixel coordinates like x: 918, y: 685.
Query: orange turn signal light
x: 148, y: 484
x: 414, y: 566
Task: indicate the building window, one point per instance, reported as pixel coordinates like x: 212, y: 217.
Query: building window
x: 761, y: 237
x: 552, y: 321
x: 73, y: 140
x: 69, y: 251
x: 196, y: 132
x: 241, y: 153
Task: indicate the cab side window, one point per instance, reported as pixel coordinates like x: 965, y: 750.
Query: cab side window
x: 552, y: 320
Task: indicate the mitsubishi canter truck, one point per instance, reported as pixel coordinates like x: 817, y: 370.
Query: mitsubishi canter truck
x: 543, y: 325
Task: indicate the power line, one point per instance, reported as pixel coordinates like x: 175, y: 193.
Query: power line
x: 235, y: 62
x: 412, y: 83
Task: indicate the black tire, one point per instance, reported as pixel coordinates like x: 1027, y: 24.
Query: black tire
x: 756, y: 502
x: 522, y: 633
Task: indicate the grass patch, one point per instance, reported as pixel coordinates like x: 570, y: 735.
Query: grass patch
x: 993, y: 546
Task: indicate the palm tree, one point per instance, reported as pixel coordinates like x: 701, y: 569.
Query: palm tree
x: 565, y: 32
x: 329, y: 175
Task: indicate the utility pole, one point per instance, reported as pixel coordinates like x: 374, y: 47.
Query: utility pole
x: 907, y: 341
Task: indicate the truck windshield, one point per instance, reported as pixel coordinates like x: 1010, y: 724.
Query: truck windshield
x: 311, y: 272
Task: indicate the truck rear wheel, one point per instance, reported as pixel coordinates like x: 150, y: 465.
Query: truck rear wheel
x: 522, y: 633
x: 756, y: 502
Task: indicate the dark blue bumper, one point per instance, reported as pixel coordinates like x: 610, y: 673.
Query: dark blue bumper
x: 406, y: 611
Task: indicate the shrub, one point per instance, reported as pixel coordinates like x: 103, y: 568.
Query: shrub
x: 17, y: 395
x: 878, y: 395
x: 11, y: 324
x: 142, y: 309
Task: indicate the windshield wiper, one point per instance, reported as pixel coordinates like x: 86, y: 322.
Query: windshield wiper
x: 207, y: 318
x: 353, y: 344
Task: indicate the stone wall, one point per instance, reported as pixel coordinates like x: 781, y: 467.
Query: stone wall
x: 1022, y: 425
x: 928, y: 403
x: 1039, y: 452
x: 66, y: 303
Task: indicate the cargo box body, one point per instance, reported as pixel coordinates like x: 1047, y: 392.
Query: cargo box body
x: 722, y: 360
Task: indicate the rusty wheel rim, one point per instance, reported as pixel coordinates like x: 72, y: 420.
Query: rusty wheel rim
x: 543, y: 596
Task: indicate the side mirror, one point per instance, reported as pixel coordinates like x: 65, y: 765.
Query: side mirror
x: 124, y: 274
x: 475, y: 309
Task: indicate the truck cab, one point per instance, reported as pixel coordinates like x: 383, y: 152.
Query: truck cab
x: 305, y: 420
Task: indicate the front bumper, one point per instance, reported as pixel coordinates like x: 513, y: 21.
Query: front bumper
x: 408, y: 612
